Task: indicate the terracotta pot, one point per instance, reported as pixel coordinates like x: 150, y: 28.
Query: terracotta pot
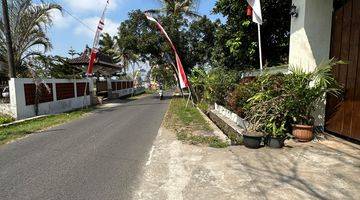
x: 303, y: 133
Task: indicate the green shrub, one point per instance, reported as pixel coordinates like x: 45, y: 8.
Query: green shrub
x: 292, y: 98
x: 238, y: 98
x: 213, y: 86
x: 219, y: 84
x: 307, y: 90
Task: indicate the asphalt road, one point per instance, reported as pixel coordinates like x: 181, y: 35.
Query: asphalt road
x: 96, y: 157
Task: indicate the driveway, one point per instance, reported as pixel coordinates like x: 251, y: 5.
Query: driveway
x: 327, y: 169
x: 96, y: 157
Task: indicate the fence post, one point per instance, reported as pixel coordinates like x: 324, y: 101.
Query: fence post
x: 109, y: 87
x: 12, y: 93
x: 53, y: 84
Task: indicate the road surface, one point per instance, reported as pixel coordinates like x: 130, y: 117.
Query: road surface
x: 98, y: 157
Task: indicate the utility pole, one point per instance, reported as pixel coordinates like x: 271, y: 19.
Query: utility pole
x: 10, y: 52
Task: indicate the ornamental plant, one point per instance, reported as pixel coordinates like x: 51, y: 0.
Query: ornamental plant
x: 237, y: 100
x: 267, y: 108
x: 306, y: 90
x: 213, y: 86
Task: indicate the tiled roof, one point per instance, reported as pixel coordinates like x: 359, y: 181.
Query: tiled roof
x: 101, y: 59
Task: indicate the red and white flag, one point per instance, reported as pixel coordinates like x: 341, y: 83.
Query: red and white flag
x: 256, y: 11
x: 184, y: 83
x: 94, y: 49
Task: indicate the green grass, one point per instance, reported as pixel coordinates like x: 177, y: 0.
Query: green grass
x: 4, y: 119
x: 180, y: 115
x: 203, y: 107
x: 186, y: 120
x: 212, y: 141
x: 27, y: 127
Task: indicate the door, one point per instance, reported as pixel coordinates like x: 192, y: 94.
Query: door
x: 343, y: 117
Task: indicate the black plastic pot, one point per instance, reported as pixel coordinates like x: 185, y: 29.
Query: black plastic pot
x: 276, y: 143
x: 252, y: 142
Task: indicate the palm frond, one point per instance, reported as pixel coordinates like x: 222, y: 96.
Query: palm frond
x: 29, y: 24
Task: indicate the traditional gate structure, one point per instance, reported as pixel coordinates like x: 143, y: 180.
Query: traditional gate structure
x: 343, y: 117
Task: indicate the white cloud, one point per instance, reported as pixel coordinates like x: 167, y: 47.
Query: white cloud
x: 61, y: 20
x: 90, y: 5
x: 110, y: 27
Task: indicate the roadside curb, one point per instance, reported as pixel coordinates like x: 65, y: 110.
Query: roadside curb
x: 217, y: 131
x: 23, y: 120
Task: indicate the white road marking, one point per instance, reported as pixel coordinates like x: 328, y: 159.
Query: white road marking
x: 150, y: 155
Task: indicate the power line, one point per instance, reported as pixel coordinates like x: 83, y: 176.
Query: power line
x: 76, y: 18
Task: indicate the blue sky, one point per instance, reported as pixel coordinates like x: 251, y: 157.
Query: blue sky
x: 67, y: 32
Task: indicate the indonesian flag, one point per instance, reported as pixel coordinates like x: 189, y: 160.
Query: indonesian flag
x: 184, y: 83
x: 94, y: 50
x: 101, y: 25
x: 256, y: 11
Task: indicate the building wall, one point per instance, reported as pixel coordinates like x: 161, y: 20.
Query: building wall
x: 310, y: 39
x: 20, y: 110
x: 310, y: 33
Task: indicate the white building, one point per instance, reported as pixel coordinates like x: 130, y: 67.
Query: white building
x: 321, y: 31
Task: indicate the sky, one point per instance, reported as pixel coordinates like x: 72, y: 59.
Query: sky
x: 68, y: 32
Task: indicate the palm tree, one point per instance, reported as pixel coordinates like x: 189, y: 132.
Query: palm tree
x: 28, y: 23
x: 112, y: 47
x: 177, y: 8
x: 107, y: 43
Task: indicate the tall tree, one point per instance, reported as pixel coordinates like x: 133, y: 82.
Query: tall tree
x: 177, y: 8
x: 28, y: 22
x: 236, y: 43
x: 46, y: 66
x: 108, y: 44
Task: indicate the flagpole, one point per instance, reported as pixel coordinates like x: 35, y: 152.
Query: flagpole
x: 260, y: 50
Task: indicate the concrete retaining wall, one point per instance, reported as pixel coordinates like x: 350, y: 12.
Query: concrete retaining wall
x: 231, y: 116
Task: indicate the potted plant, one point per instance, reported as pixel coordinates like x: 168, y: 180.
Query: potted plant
x: 306, y: 91
x: 277, y: 136
x: 303, y: 128
x: 252, y: 139
x: 266, y: 110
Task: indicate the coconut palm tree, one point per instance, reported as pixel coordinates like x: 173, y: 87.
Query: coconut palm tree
x: 112, y: 47
x: 177, y: 8
x: 28, y: 23
x: 107, y: 43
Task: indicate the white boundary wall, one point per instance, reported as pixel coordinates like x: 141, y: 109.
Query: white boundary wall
x: 139, y: 90
x: 5, y: 108
x: 20, y: 110
x: 120, y: 93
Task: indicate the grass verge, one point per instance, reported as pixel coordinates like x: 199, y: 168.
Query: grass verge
x: 4, y: 119
x: 22, y: 129
x: 188, y: 120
